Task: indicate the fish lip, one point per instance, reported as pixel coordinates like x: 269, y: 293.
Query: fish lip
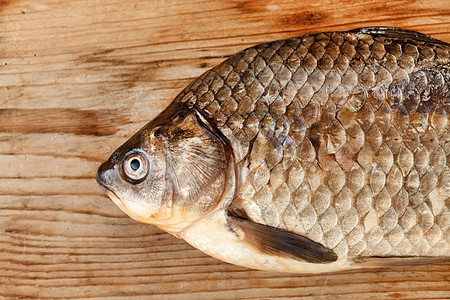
x: 105, y: 188
x: 101, y: 181
x: 111, y: 194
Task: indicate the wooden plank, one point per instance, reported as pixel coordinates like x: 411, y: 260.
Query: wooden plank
x: 79, y: 77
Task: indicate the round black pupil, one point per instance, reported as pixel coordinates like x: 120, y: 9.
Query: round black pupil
x: 135, y: 164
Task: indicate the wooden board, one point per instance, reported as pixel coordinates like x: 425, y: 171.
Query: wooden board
x: 77, y: 78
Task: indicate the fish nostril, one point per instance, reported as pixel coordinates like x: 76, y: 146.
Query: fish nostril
x: 113, y: 159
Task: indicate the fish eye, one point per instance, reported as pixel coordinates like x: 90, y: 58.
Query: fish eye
x: 135, y: 166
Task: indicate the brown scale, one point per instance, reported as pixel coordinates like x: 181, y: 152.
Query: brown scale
x: 344, y: 138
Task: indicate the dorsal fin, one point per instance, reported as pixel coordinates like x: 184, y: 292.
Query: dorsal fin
x: 391, y: 32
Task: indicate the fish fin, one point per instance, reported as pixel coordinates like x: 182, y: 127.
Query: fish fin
x: 391, y: 32
x: 279, y: 242
x: 387, y: 261
x: 197, y: 156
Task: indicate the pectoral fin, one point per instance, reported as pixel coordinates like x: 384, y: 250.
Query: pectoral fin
x: 278, y: 242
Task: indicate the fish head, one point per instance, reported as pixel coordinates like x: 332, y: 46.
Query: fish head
x: 134, y: 176
x: 170, y: 173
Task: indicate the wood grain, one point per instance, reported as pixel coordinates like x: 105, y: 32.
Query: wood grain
x: 79, y: 77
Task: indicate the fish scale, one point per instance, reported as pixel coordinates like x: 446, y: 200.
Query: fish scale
x: 342, y: 137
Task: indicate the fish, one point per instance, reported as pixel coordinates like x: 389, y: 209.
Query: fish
x: 319, y: 153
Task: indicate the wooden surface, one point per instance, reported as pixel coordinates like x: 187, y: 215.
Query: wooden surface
x: 77, y: 78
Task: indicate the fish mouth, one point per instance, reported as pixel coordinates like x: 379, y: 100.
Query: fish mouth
x: 104, y: 187
x: 103, y: 178
x: 117, y: 201
x: 111, y: 194
x: 100, y: 182
x: 106, y: 180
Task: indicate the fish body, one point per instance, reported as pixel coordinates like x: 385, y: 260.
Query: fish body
x: 318, y: 153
